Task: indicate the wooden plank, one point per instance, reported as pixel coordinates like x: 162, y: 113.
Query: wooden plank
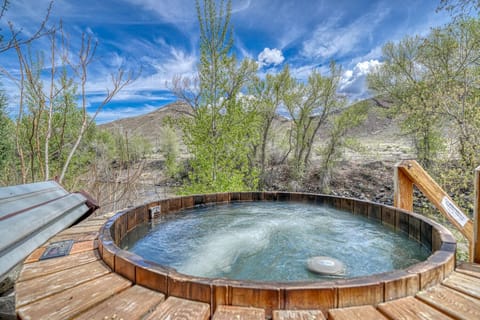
x: 403, y: 190
x: 134, y: 303
x: 476, y: 210
x: 305, y: 298
x: 451, y: 302
x: 78, y: 237
x: 437, y: 196
x: 463, y: 283
x: 355, y: 313
x: 80, y: 229
x: 77, y: 247
x: 92, y: 222
x: 267, y: 297
x: 101, y: 217
x: 469, y: 269
x: 44, y: 267
x: 35, y: 255
x: 83, y: 246
x: 238, y: 313
x: 38, y: 288
x: 176, y: 308
x: 298, y: 315
x: 360, y: 294
x: 72, y: 302
x: 410, y: 308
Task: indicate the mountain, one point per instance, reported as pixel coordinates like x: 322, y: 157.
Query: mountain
x: 378, y: 127
x: 151, y: 126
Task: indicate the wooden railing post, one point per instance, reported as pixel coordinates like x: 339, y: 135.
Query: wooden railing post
x: 410, y: 172
x: 403, y: 190
x: 476, y: 219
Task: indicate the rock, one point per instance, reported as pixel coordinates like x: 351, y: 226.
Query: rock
x: 7, y: 308
x: 6, y: 284
x: 379, y: 196
x: 7, y: 281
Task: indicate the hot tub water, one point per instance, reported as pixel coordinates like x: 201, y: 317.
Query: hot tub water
x: 270, y: 241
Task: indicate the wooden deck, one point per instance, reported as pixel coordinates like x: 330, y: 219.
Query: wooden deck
x: 81, y: 286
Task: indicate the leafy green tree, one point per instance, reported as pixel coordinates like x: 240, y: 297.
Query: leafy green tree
x: 310, y: 106
x: 47, y: 154
x: 52, y: 130
x: 452, y: 55
x: 129, y: 148
x: 219, y: 134
x: 459, y: 8
x: 268, y: 95
x: 339, y: 139
x: 403, y: 78
x: 6, y: 141
x: 169, y: 148
x: 434, y: 82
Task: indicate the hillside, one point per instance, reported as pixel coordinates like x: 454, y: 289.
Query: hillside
x: 378, y: 131
x: 149, y: 126
x: 365, y: 172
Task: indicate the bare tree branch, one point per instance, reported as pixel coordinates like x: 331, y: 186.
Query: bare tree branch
x: 3, y: 8
x: 15, y: 39
x: 118, y: 80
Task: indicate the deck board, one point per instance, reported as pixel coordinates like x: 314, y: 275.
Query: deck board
x: 80, y: 229
x: 463, y: 283
x: 38, y: 288
x: 176, y: 308
x: 93, y: 222
x: 298, y: 315
x: 77, y: 237
x: 410, y: 308
x: 469, y: 269
x: 71, y: 302
x: 355, y: 313
x: 238, y: 313
x: 134, y: 303
x: 451, y: 302
x: 35, y: 255
x: 83, y: 246
x: 44, y: 267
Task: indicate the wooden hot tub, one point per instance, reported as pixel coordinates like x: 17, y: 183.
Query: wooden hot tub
x: 270, y: 296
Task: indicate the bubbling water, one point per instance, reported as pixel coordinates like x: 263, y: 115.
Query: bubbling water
x: 270, y: 241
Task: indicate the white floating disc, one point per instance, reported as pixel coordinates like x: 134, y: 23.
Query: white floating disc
x: 325, y: 266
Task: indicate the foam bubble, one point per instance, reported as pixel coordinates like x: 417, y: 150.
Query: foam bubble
x: 220, y: 250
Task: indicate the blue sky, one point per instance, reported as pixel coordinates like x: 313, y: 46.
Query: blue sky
x: 160, y: 37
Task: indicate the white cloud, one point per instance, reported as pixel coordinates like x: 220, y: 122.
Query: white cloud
x: 173, y: 11
x: 240, y: 5
x: 158, y: 71
x: 353, y: 81
x: 332, y: 38
x: 365, y: 67
x: 183, y: 10
x: 302, y: 72
x: 270, y: 57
